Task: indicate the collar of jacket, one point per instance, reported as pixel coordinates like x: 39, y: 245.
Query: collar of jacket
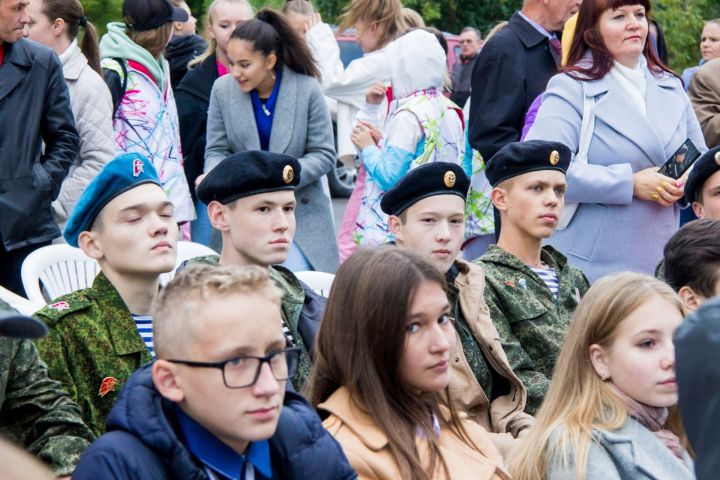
x: 293, y: 294
x: 199, y: 79
x: 548, y: 254
x: 73, y: 62
x: 122, y: 328
x: 527, y: 34
x: 17, y: 53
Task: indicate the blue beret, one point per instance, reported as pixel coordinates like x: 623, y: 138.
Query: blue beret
x: 428, y: 180
x: 123, y: 173
x: 704, y: 166
x: 249, y: 173
x: 518, y: 158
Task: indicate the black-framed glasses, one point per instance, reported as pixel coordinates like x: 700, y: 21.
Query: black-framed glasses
x: 243, y: 371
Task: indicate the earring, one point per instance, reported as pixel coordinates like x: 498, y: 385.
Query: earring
x: 604, y: 377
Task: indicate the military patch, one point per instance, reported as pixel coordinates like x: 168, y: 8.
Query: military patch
x: 522, y: 283
x: 107, y: 386
x: 138, y: 167
x: 510, y: 283
x: 60, y: 306
x: 288, y: 174
x: 554, y: 157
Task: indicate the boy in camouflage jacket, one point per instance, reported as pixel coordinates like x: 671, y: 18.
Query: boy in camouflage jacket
x: 100, y: 335
x: 531, y: 290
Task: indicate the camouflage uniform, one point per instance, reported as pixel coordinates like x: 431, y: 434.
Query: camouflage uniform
x: 35, y: 412
x: 292, y: 305
x: 532, y: 323
x: 92, y: 347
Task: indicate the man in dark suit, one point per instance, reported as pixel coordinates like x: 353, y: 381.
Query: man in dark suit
x: 513, y: 68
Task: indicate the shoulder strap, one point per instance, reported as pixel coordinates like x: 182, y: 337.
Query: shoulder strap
x: 116, y: 78
x: 586, y: 129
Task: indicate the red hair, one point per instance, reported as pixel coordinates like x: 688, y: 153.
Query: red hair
x: 587, y: 37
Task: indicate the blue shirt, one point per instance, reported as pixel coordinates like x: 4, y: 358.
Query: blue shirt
x: 222, y: 460
x: 264, y: 112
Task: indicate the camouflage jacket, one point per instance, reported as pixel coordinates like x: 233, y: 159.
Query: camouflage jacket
x: 92, y: 347
x: 35, y: 412
x: 532, y: 323
x: 296, y: 314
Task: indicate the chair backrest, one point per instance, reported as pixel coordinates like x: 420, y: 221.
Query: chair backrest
x: 320, y: 282
x: 61, y: 269
x: 21, y: 304
x: 186, y: 251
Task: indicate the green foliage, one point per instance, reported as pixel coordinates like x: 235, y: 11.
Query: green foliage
x: 682, y: 22
x: 102, y: 12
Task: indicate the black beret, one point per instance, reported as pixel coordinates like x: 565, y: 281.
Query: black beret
x: 705, y: 166
x: 430, y: 179
x: 249, y: 173
x: 518, y: 158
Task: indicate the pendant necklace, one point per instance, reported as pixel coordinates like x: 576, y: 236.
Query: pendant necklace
x: 265, y: 110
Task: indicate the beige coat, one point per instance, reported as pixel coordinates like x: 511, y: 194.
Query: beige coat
x: 368, y: 451
x: 505, y: 413
x: 704, y: 94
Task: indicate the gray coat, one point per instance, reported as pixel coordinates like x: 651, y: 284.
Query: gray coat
x: 302, y: 129
x: 611, y: 230
x: 631, y: 453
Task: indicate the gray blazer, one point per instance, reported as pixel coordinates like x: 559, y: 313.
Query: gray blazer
x: 302, y: 129
x: 631, y: 453
x: 612, y: 231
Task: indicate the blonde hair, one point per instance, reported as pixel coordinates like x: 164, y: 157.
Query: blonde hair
x: 387, y: 14
x: 154, y: 41
x: 300, y: 7
x: 578, y: 400
x: 180, y: 300
x: 212, y: 44
x: 498, y: 26
x: 412, y: 18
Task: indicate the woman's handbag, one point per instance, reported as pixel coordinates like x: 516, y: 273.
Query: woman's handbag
x: 586, y: 133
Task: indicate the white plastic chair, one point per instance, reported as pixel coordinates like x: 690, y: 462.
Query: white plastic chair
x: 320, y: 282
x: 61, y: 269
x: 21, y: 304
x: 186, y: 251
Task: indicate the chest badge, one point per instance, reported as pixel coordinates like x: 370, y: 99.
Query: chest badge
x: 522, y: 283
x: 107, y: 386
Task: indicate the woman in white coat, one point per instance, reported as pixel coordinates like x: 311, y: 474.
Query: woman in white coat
x: 56, y: 24
x: 627, y: 210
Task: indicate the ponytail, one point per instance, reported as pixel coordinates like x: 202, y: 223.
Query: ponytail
x: 72, y: 13
x: 269, y: 32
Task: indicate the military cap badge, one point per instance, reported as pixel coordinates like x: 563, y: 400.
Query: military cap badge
x: 288, y: 174
x: 107, y: 386
x: 554, y: 157
x: 138, y: 167
x: 450, y: 179
x: 717, y: 158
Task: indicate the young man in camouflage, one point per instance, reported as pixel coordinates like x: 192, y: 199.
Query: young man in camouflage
x: 251, y: 201
x: 100, y: 335
x: 426, y: 215
x: 35, y: 412
x: 531, y: 290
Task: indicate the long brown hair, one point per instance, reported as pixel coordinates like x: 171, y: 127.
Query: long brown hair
x: 72, y: 13
x: 578, y: 400
x: 361, y: 342
x: 269, y: 32
x: 587, y: 37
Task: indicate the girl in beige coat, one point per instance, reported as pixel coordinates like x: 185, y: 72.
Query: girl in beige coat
x: 382, y: 370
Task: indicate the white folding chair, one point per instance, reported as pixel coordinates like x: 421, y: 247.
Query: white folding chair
x: 320, y: 282
x: 61, y: 269
x: 186, y: 251
x: 21, y: 304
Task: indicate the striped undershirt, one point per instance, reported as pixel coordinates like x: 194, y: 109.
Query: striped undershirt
x: 548, y: 275
x: 143, y: 323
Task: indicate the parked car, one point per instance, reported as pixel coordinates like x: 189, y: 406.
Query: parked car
x: 342, y: 180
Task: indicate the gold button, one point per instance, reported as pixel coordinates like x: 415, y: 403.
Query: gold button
x: 450, y: 179
x: 554, y: 157
x: 288, y: 174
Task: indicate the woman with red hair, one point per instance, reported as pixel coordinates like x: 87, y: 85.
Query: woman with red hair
x: 638, y: 115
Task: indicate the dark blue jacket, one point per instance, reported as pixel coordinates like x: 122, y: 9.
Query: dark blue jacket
x: 142, y: 442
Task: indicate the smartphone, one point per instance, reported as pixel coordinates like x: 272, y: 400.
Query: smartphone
x: 681, y: 160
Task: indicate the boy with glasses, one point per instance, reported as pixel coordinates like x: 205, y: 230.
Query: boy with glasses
x: 209, y: 407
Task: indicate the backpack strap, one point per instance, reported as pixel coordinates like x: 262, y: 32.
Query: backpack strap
x: 115, y: 75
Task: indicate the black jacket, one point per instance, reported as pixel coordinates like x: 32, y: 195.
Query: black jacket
x: 34, y: 108
x: 179, y: 52
x: 697, y: 367
x: 142, y: 442
x: 193, y: 100
x: 513, y: 68
x: 461, y: 78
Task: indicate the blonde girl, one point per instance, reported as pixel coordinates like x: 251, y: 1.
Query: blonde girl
x: 610, y: 410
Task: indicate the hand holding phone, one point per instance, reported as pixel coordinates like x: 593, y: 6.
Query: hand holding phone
x: 681, y: 160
